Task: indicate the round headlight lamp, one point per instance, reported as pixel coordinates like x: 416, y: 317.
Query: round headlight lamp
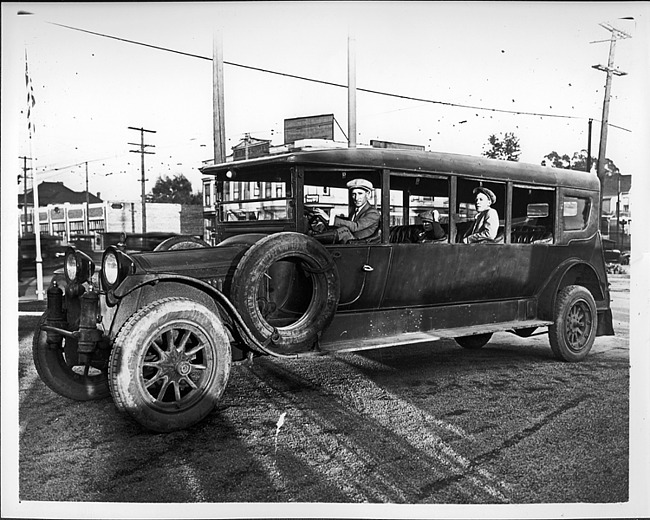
x: 116, y: 266
x: 111, y: 268
x: 78, y: 266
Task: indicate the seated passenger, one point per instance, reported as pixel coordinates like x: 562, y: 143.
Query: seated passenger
x: 363, y: 219
x: 486, y: 222
x: 432, y: 229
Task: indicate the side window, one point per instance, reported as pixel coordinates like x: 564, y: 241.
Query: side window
x: 466, y: 208
x: 415, y: 197
x: 327, y: 191
x: 206, y: 192
x: 575, y: 213
x: 532, y: 215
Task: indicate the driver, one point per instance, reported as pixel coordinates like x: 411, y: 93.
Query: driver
x: 362, y: 221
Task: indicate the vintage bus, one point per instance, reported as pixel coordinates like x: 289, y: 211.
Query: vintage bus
x: 172, y: 321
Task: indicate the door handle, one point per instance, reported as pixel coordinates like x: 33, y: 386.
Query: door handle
x: 368, y: 268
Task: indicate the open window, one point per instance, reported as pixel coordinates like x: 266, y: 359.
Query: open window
x: 533, y: 215
x: 327, y: 189
x: 466, y: 208
x: 411, y: 196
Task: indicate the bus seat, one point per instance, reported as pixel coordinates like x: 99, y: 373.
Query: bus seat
x: 405, y: 234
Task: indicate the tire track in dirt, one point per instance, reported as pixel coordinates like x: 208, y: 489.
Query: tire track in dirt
x: 397, y: 460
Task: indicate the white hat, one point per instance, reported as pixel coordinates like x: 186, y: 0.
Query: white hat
x: 361, y: 184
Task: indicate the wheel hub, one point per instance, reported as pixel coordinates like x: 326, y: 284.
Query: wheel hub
x: 183, y: 368
x: 175, y: 365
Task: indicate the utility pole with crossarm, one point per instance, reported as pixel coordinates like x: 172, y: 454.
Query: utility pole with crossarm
x: 617, y: 34
x: 142, y: 151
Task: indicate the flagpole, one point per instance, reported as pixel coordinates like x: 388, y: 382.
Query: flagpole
x: 40, y: 294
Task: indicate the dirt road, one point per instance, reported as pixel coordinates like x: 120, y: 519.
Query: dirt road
x: 431, y: 424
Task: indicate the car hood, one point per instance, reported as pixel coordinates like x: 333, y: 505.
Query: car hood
x: 211, y: 262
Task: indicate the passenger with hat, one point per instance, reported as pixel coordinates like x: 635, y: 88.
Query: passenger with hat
x: 362, y: 221
x: 432, y: 229
x: 486, y: 222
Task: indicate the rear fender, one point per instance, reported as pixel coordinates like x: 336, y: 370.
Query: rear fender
x: 571, y: 272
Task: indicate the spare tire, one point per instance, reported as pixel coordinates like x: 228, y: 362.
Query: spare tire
x: 181, y: 242
x: 286, y: 287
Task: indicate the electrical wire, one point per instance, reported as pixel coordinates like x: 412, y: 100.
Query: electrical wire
x: 59, y: 170
x: 330, y: 83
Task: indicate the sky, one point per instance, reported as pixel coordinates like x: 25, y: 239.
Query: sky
x: 523, y: 57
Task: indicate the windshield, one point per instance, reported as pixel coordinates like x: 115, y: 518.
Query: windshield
x: 253, y: 196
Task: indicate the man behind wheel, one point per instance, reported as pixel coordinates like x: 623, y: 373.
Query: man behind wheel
x: 362, y: 221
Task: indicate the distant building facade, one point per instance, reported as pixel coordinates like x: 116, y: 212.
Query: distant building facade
x: 617, y: 215
x: 71, y: 219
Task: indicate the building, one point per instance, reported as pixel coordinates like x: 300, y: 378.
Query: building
x: 72, y: 220
x: 616, y: 215
x: 50, y: 193
x: 250, y: 147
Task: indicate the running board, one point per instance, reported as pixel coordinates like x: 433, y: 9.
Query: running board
x: 412, y: 338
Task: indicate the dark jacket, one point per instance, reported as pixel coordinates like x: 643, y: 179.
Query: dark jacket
x: 363, y: 225
x: 437, y: 233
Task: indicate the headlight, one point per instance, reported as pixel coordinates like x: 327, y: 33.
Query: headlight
x: 110, y: 268
x: 78, y: 266
x: 116, y: 266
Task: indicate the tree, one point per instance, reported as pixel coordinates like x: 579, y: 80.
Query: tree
x: 174, y: 190
x: 578, y: 161
x: 505, y: 148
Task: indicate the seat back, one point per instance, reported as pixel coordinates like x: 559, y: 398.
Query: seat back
x: 405, y: 234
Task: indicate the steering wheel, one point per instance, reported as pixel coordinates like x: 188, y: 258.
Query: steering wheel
x: 314, y: 219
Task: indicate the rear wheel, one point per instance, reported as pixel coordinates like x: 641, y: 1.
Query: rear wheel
x: 170, y: 364
x: 474, y: 342
x: 574, y: 330
x: 58, y: 368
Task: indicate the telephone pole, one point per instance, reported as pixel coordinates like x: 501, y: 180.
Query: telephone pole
x: 218, y: 104
x: 352, y: 92
x: 142, y: 152
x: 25, y: 168
x: 616, y: 34
x: 87, y: 203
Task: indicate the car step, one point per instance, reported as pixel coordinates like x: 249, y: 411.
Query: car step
x: 411, y: 338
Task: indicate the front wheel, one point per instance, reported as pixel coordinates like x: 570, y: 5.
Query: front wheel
x: 474, y: 342
x: 574, y: 330
x: 170, y: 364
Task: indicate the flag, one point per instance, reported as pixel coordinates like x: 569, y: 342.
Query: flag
x: 31, y: 100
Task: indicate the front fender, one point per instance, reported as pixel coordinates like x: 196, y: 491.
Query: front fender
x: 136, y: 281
x: 138, y: 291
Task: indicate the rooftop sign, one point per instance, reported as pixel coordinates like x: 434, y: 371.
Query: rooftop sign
x: 312, y: 127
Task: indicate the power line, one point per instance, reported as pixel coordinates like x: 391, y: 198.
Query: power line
x: 324, y: 82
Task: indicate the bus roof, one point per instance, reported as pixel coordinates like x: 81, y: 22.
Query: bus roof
x: 415, y: 161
